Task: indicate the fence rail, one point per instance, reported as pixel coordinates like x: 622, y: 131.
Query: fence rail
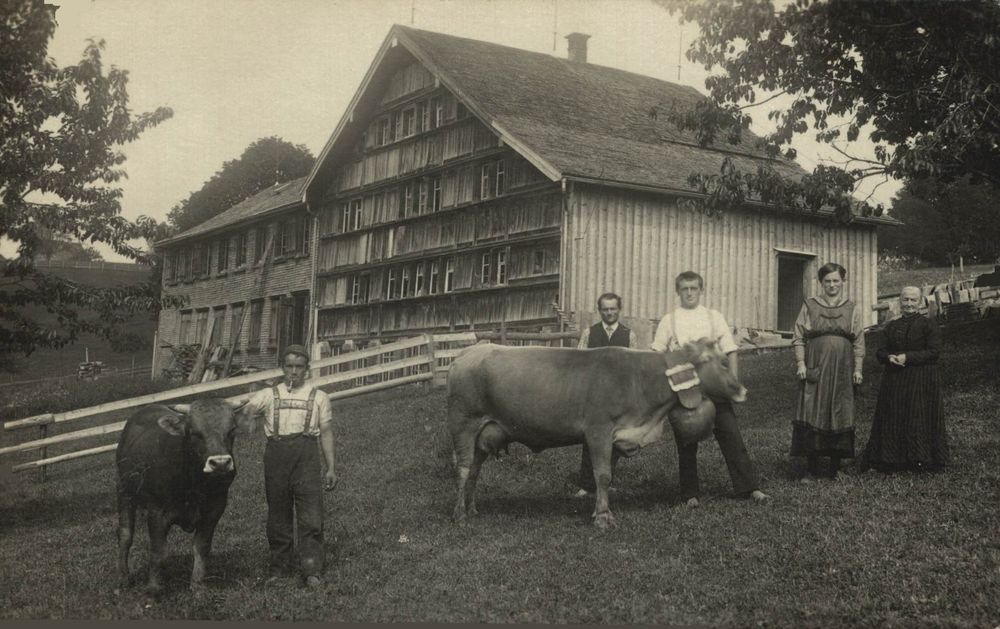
x: 410, y: 361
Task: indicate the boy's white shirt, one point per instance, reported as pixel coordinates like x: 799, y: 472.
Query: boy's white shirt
x: 685, y: 325
x: 292, y: 420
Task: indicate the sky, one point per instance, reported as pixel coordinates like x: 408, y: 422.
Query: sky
x: 234, y: 71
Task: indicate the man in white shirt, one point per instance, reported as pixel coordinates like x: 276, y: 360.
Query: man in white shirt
x: 691, y: 322
x: 296, y: 415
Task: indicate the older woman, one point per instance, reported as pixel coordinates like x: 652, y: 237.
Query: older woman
x: 908, y: 430
x: 829, y: 344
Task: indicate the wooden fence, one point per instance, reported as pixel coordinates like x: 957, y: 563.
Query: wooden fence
x: 410, y: 361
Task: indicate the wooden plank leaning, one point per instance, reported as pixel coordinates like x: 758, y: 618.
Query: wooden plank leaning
x: 196, y: 389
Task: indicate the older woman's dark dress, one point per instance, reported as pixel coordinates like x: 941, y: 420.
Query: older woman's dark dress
x: 908, y: 430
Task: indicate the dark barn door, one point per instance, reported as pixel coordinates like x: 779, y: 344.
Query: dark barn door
x: 791, y: 281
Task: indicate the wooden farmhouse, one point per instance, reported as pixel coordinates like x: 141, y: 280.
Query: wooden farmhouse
x: 247, y: 277
x: 474, y: 185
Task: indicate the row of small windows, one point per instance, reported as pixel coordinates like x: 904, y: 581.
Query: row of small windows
x: 291, y: 238
x: 424, y: 115
x: 440, y: 275
x: 193, y: 328
x: 415, y: 198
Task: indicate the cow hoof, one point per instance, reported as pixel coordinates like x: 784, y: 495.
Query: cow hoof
x: 604, y: 521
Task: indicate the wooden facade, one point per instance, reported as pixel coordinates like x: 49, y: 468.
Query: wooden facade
x: 434, y: 224
x: 758, y: 265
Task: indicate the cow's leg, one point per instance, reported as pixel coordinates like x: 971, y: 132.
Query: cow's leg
x: 492, y: 438
x: 470, y: 487
x: 600, y: 447
x: 156, y: 521
x: 126, y: 532
x: 202, y: 543
x: 464, y: 430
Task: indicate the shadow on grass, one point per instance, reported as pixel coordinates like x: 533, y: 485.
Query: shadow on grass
x: 53, y: 513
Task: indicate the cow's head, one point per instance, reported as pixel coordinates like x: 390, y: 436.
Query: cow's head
x: 209, y: 427
x: 712, y: 366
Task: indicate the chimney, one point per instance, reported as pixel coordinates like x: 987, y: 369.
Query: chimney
x: 577, y: 49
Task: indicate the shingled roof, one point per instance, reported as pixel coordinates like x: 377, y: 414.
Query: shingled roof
x: 270, y: 199
x: 572, y: 119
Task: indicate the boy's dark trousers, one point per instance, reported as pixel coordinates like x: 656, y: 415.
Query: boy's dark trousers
x: 293, y: 480
x: 742, y: 472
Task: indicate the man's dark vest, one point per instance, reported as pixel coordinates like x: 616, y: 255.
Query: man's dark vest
x: 599, y: 338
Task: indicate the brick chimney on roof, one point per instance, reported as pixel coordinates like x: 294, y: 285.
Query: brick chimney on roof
x: 577, y: 47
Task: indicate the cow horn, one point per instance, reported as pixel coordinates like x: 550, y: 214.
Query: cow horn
x: 238, y: 403
x: 183, y: 409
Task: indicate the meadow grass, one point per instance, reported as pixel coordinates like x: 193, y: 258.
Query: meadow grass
x: 865, y: 550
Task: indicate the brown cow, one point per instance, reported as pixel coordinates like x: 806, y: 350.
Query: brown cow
x: 177, y: 463
x: 613, y: 399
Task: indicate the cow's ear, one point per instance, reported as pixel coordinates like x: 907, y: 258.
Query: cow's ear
x: 176, y: 425
x: 246, y: 418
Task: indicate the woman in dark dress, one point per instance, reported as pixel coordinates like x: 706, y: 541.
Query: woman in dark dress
x: 908, y: 431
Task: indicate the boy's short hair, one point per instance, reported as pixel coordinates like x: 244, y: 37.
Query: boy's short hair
x: 687, y: 276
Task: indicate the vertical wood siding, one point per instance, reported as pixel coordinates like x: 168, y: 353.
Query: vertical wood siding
x: 635, y: 243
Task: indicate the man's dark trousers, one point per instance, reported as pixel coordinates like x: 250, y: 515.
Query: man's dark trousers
x: 598, y: 337
x: 742, y: 472
x: 294, y: 488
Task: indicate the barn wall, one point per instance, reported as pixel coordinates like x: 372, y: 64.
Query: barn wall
x: 635, y: 243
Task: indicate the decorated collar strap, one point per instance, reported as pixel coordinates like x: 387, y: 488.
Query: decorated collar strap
x: 683, y: 379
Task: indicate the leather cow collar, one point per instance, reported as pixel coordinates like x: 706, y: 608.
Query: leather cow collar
x: 683, y: 379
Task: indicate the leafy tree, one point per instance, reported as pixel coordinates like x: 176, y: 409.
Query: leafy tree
x: 264, y: 163
x: 943, y: 222
x: 61, y: 133
x: 920, y: 79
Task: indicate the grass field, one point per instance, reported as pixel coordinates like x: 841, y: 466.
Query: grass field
x: 866, y: 550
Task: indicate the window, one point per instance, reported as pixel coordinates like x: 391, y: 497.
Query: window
x: 304, y: 227
x: 484, y: 276
x: 256, y: 318
x: 433, y: 279
x: 397, y: 123
x: 170, y: 266
x: 436, y: 194
x: 500, y: 178
x: 461, y: 111
x: 436, y: 112
x: 538, y: 262
x: 274, y: 330
x: 404, y: 285
x: 382, y: 132
x: 198, y: 262
x: 390, y: 285
x: 406, y: 200
x: 422, y: 203
x: 423, y: 117
x: 418, y: 288
x: 359, y: 288
x: 501, y: 274
x: 241, y: 248
x: 223, y: 259
x: 201, y: 326
x: 356, y: 212
x: 286, y: 237
x: 345, y: 217
x: 185, y: 328
x: 258, y: 245
x: 409, y: 122
x: 449, y: 274
x: 235, y: 322
x: 378, y: 206
x: 484, y: 181
x: 219, y: 316
x: 183, y: 264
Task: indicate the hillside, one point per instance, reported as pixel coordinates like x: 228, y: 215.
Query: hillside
x: 48, y: 363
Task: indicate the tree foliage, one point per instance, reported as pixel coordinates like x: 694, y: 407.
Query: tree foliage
x: 264, y: 163
x: 943, y: 221
x: 921, y: 79
x: 61, y: 133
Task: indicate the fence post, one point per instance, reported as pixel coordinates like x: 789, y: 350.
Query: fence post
x: 436, y: 380
x: 43, y: 432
